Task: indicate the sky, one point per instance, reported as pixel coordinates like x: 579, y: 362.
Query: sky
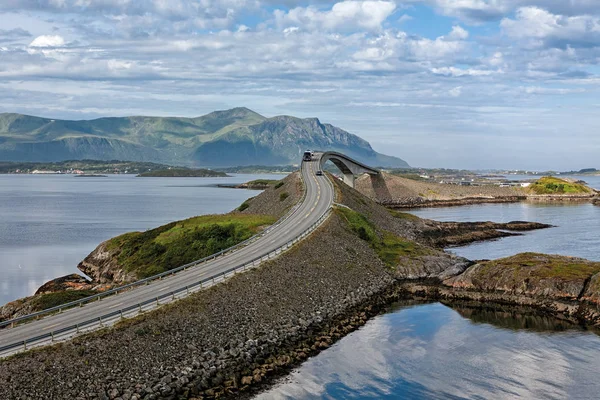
x: 440, y: 83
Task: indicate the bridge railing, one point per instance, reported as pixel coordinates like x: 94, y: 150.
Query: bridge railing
x: 179, y: 293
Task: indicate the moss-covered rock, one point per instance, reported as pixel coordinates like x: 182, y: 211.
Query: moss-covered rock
x: 552, y: 185
x: 531, y: 274
x: 141, y: 254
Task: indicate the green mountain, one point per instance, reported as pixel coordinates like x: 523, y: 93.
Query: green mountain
x: 222, y: 138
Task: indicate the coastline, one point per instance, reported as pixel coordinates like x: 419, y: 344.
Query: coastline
x: 239, y: 336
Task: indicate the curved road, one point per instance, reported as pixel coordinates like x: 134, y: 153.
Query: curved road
x: 319, y: 197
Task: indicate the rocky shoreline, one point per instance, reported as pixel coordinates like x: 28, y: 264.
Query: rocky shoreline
x: 402, y: 193
x: 424, y: 203
x: 409, y: 203
x: 236, y: 337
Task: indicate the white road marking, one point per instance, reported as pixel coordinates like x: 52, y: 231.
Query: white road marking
x: 165, y: 288
x: 116, y: 305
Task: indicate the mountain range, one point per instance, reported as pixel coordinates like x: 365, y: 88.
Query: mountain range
x: 233, y: 137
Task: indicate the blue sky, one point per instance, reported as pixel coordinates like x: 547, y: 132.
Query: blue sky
x: 440, y: 83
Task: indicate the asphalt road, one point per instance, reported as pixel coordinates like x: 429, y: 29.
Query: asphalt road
x: 319, y: 197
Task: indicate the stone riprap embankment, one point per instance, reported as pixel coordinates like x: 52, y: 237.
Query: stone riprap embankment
x: 270, y: 202
x: 233, y: 335
x: 238, y: 335
x: 220, y: 340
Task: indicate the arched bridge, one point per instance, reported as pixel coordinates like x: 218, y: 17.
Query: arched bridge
x: 350, y: 168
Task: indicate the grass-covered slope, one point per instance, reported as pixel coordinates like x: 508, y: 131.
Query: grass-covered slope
x: 141, y: 254
x: 138, y: 255
x: 388, y: 246
x: 553, y: 185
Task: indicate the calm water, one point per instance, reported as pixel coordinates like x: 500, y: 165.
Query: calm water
x: 576, y: 231
x: 433, y: 352
x: 48, y: 224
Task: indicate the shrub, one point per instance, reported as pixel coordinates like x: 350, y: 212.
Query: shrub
x: 283, y: 196
x: 164, y: 248
x: 243, y: 206
x: 279, y: 184
x: 50, y: 300
x: 387, y: 245
x: 552, y: 185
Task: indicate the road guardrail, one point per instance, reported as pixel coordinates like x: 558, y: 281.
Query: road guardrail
x: 109, y: 318
x: 161, y: 275
x: 133, y: 310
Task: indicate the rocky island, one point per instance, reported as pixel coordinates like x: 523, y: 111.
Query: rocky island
x: 236, y: 336
x: 257, y: 184
x: 183, y: 173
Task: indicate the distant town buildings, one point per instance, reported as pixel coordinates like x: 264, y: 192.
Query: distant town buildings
x: 45, y: 172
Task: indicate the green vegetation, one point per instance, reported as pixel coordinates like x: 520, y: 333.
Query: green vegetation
x: 172, y: 245
x: 388, y: 246
x: 238, y: 136
x: 278, y: 185
x: 183, y: 172
x: 50, y: 300
x: 260, y: 184
x: 243, y: 206
x: 533, y: 266
x: 283, y: 196
x: 552, y: 185
x: 89, y: 166
x: 265, y: 182
x: 403, y: 215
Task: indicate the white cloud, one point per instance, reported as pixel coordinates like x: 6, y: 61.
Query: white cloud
x: 496, y: 60
x: 314, y: 58
x: 550, y: 91
x: 473, y: 10
x: 442, y: 47
x: 540, y: 28
x: 346, y: 15
x: 453, y: 71
x: 477, y: 11
x: 455, y: 92
x: 458, y: 33
x: 48, y: 41
x: 290, y: 30
x: 405, y: 18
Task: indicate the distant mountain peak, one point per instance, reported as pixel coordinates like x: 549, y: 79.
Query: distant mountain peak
x: 234, y: 137
x: 234, y: 112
